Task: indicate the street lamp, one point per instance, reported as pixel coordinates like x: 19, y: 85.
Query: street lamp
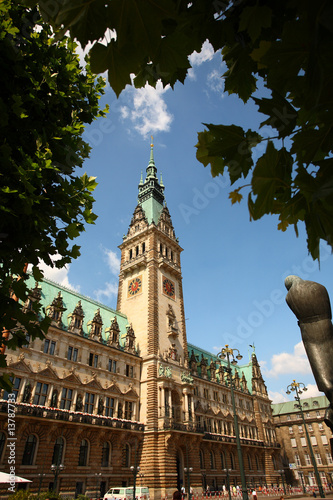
x: 40, y: 475
x: 98, y: 475
x: 56, y: 469
x: 188, y: 471
x: 281, y: 472
x: 228, y: 482
x: 135, y: 470
x: 299, y: 388
x: 228, y: 353
x: 141, y: 475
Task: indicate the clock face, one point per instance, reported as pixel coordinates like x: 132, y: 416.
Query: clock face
x: 168, y: 288
x: 135, y: 286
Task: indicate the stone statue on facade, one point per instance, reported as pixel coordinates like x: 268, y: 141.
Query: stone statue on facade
x: 310, y: 303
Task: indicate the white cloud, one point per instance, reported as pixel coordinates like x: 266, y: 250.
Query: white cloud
x: 312, y: 391
x: 215, y: 82
x: 206, y: 54
x: 148, y: 111
x: 112, y: 260
x: 58, y: 275
x: 277, y: 397
x: 108, y: 292
x: 285, y: 362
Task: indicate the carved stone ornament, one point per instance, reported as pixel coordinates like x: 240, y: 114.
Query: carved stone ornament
x: 96, y: 326
x: 76, y: 319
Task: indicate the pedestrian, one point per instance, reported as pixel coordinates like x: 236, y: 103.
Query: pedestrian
x: 254, y: 495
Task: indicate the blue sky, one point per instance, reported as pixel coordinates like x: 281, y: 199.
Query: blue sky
x: 233, y: 269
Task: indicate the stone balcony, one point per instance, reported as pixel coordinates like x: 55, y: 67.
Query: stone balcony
x: 37, y: 411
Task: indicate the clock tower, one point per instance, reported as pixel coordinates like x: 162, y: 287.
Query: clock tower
x: 150, y: 289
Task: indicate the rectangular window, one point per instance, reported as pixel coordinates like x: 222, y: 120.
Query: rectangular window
x: 72, y: 353
x: 112, y: 366
x: 290, y: 430
x: 93, y: 360
x: 49, y: 346
x: 129, y: 371
x: 109, y: 407
x: 303, y: 441
x: 324, y: 439
x: 313, y: 440
x: 307, y: 459
x: 15, y: 389
x: 329, y: 459
x: 128, y: 410
x: 293, y: 443
x: 66, y: 399
x: 89, y: 403
x: 288, y: 417
x: 40, y: 394
x: 318, y: 459
x: 297, y: 460
x: 321, y: 427
x: 300, y: 429
x: 310, y: 427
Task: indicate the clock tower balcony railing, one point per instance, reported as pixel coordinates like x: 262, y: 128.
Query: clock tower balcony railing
x: 137, y: 262
x: 166, y: 263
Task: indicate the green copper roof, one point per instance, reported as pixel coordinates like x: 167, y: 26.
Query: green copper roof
x: 50, y: 290
x: 151, y: 192
x: 315, y: 403
x: 199, y: 353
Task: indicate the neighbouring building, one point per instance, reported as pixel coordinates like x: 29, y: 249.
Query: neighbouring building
x: 291, y: 434
x: 108, y: 391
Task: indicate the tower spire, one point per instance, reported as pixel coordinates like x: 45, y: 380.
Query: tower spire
x: 151, y: 192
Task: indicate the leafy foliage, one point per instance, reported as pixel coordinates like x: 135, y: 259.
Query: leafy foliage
x: 285, y: 44
x: 45, y: 100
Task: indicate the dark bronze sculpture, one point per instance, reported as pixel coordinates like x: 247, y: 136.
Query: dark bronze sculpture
x: 310, y: 303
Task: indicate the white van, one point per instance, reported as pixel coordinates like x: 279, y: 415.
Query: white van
x: 120, y: 493
x: 142, y: 493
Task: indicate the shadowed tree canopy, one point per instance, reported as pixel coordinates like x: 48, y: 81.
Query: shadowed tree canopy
x: 45, y: 100
x: 286, y: 44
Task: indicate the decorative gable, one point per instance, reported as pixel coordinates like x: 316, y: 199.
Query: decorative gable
x: 139, y: 221
x: 130, y: 340
x: 95, y: 326
x: 113, y: 331
x: 76, y: 319
x: 56, y: 309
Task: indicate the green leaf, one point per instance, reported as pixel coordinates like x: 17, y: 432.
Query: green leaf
x: 227, y: 146
x: 253, y: 19
x: 271, y: 180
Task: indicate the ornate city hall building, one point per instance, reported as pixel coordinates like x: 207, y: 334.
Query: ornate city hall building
x: 110, y: 396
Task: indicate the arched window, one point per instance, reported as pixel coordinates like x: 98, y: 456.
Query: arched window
x: 29, y: 450
x: 249, y: 461
x: 223, y: 463
x: 127, y: 455
x: 2, y: 444
x: 212, y: 460
x: 202, y: 460
x: 106, y: 454
x: 58, y: 451
x: 232, y: 461
x: 83, y: 455
x: 257, y: 462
